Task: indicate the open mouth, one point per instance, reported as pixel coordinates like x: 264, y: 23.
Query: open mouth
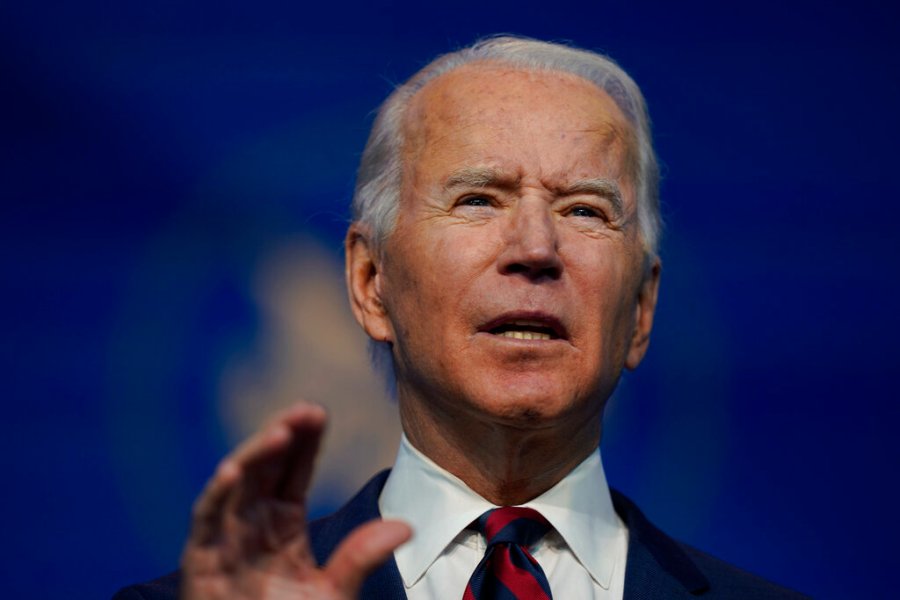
x: 531, y: 328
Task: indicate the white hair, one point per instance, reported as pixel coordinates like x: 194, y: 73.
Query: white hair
x: 378, y: 184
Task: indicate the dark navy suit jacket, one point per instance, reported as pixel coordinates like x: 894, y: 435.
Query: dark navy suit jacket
x: 657, y: 566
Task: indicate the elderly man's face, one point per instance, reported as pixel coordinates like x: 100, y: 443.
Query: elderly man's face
x: 513, y: 287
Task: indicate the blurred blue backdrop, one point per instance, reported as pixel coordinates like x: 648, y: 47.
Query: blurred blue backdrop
x: 175, y: 183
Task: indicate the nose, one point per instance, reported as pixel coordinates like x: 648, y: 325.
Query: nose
x: 531, y: 244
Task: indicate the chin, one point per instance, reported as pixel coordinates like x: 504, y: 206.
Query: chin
x: 525, y: 402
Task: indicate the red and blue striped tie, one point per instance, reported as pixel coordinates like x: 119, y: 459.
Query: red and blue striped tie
x: 508, y: 571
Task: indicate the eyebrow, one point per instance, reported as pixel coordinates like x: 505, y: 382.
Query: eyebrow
x: 480, y: 177
x: 600, y: 186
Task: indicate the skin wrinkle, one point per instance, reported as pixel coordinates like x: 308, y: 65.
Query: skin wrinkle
x: 481, y: 180
x: 484, y: 177
x: 476, y: 181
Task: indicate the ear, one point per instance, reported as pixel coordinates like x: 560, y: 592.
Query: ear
x: 363, y: 274
x: 644, y: 311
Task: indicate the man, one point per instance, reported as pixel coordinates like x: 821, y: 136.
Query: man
x: 503, y: 255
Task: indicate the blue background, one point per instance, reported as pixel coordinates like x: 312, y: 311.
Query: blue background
x: 153, y: 152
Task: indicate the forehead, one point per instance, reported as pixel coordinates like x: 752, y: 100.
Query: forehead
x: 546, y: 123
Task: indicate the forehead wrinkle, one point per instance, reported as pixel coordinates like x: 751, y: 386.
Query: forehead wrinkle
x: 611, y: 144
x: 610, y: 131
x: 613, y: 138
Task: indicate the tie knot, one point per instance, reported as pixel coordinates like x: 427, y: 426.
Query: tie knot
x: 513, y: 525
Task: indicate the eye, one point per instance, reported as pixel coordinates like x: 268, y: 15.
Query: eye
x: 475, y: 201
x: 585, y: 211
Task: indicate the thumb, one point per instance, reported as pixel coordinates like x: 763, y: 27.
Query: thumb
x: 362, y: 552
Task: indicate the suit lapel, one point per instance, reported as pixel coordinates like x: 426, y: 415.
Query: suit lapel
x: 325, y: 534
x: 657, y: 567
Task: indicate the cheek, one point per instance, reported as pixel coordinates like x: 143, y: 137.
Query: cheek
x: 420, y: 288
x: 611, y: 315
x: 459, y: 257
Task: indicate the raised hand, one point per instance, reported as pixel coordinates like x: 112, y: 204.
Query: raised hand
x: 248, y: 536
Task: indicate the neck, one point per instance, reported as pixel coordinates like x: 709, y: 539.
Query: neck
x: 506, y: 464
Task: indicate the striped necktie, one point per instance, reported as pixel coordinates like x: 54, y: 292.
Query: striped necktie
x: 508, y: 571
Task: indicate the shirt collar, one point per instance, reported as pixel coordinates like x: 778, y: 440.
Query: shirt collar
x: 438, y: 506
x: 580, y: 509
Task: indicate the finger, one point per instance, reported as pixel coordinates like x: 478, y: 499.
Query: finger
x: 209, y: 506
x: 278, y: 432
x: 230, y: 483
x: 362, y: 552
x: 279, y: 465
x: 300, y: 456
x: 242, y: 474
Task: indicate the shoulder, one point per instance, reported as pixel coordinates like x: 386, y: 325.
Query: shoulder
x: 164, y: 588
x: 728, y: 581
x: 659, y: 566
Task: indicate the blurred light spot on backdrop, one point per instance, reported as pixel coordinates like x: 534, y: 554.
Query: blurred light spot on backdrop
x: 311, y: 347
x: 236, y: 309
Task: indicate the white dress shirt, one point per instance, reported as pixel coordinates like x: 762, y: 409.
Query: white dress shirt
x: 583, y: 556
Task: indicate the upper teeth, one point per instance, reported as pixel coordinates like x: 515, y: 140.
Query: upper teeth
x: 526, y: 335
